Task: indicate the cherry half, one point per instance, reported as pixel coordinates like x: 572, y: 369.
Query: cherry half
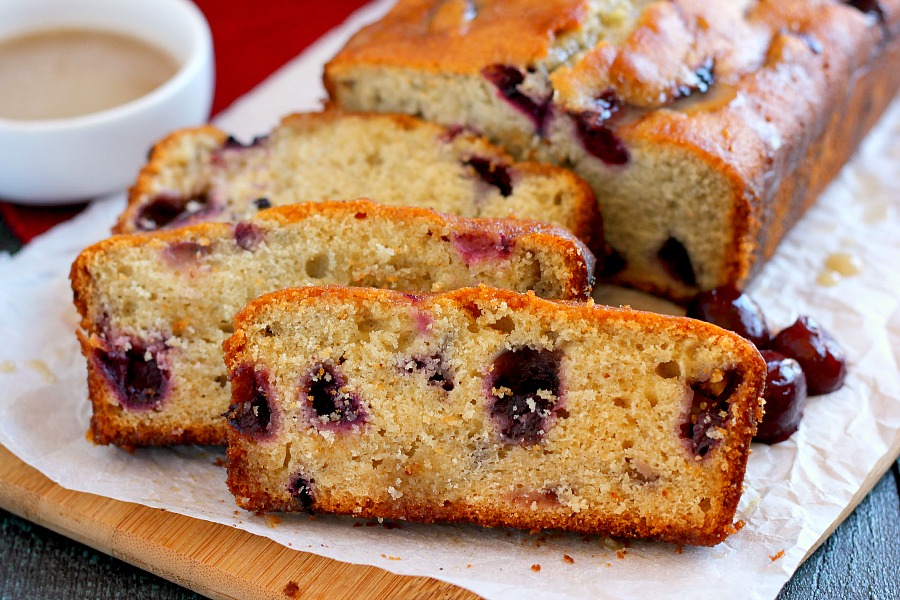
x: 733, y: 310
x: 822, y: 359
x: 785, y: 395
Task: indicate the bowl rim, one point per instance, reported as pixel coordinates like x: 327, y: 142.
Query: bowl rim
x: 201, y: 53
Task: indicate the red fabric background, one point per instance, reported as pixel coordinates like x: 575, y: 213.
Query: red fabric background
x: 251, y: 40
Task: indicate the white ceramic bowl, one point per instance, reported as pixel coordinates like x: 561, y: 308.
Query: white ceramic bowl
x: 56, y: 161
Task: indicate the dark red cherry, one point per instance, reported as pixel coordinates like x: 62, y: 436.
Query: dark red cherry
x: 507, y: 79
x: 731, y: 309
x: 821, y: 358
x: 301, y: 489
x: 709, y: 410
x: 492, y: 173
x: 252, y: 411
x: 330, y: 404
x: 524, y: 391
x: 785, y: 395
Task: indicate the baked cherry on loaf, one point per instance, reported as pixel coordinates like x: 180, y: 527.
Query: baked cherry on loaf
x: 705, y: 128
x: 155, y: 308
x: 493, y: 407
x: 202, y: 174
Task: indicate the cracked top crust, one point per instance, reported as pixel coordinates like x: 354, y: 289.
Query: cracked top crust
x: 647, y: 53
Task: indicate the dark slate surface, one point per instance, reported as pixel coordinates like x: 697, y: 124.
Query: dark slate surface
x: 861, y: 559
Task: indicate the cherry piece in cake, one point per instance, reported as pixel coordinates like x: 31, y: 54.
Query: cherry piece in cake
x: 170, y: 210
x: 821, y: 357
x: 492, y: 173
x: 330, y: 405
x: 302, y: 491
x: 733, y: 310
x: 524, y: 391
x: 507, y: 79
x: 599, y: 139
x: 709, y: 409
x: 251, y: 412
x: 138, y: 375
x: 248, y: 236
x: 785, y: 395
x: 476, y: 247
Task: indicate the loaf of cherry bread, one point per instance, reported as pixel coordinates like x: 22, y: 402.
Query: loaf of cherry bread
x: 203, y: 174
x: 706, y: 128
x: 155, y: 308
x: 492, y: 407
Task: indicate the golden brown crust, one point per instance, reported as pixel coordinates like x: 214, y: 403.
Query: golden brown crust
x: 459, y: 36
x: 250, y: 494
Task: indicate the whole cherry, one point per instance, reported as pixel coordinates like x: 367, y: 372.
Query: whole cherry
x: 729, y: 308
x: 822, y: 359
x: 785, y: 395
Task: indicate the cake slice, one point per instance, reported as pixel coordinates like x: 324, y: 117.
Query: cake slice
x: 203, y: 174
x: 493, y: 407
x: 705, y: 128
x: 155, y: 308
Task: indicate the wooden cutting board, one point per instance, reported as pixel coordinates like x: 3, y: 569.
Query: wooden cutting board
x: 211, y: 559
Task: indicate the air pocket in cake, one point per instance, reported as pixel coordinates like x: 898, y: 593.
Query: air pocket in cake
x: 709, y: 409
x: 136, y: 371
x: 329, y: 404
x: 524, y: 392
x: 676, y: 261
x: 252, y: 412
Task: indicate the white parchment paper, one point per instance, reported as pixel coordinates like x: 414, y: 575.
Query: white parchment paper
x: 795, y: 491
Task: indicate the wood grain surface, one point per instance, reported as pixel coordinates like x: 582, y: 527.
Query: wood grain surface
x: 214, y: 560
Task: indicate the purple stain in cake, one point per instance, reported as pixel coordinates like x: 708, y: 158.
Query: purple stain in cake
x: 185, y: 255
x: 252, y: 412
x: 451, y: 132
x: 480, y: 246
x: 492, y: 173
x: 248, y: 236
x: 424, y: 321
x: 301, y: 489
x: 507, y: 80
x: 708, y: 411
x: 676, y: 261
x: 524, y: 392
x: 170, y: 209
x: 599, y: 140
x: 137, y: 372
x: 435, y: 369
x: 330, y: 405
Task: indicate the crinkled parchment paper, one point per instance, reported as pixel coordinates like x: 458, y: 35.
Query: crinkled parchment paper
x: 795, y: 492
